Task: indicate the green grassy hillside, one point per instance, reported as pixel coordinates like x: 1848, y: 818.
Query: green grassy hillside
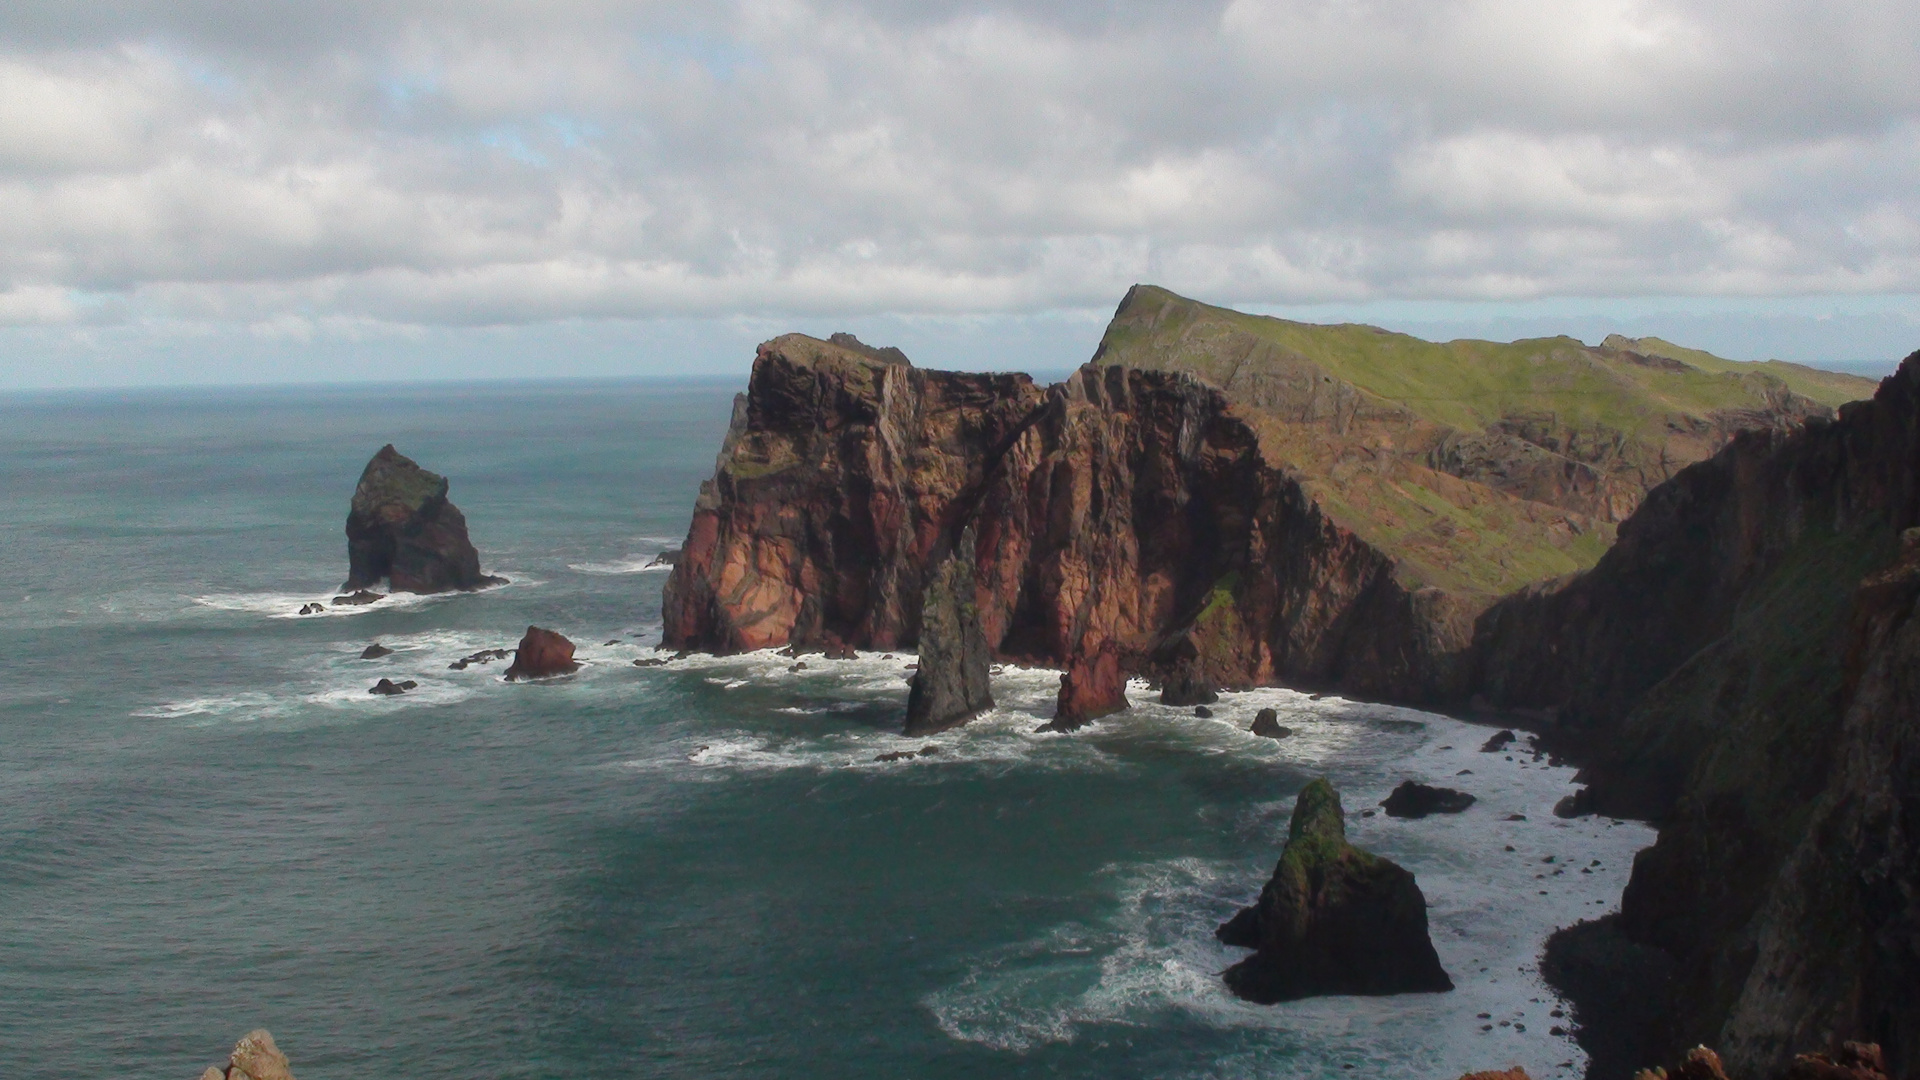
x: 1481, y: 466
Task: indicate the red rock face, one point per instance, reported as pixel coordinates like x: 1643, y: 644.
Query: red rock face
x: 542, y: 653
x: 1122, y: 508
x: 1093, y: 686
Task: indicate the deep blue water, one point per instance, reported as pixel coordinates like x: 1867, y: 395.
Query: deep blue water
x: 207, y: 825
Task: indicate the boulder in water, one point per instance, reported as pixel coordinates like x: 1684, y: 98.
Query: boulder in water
x: 402, y: 529
x: 951, y: 685
x: 542, y: 654
x: 1411, y: 800
x: 1266, y: 723
x: 388, y: 688
x: 1498, y: 742
x: 1334, y: 919
x: 375, y: 651
x: 358, y: 598
x: 254, y: 1057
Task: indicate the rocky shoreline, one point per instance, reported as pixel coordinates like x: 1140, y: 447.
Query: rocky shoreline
x: 1722, y: 670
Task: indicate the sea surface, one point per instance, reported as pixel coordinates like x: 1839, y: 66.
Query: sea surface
x: 697, y: 870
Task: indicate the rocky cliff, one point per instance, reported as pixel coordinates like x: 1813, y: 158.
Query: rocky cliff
x: 1736, y: 667
x: 951, y: 685
x: 1124, y: 510
x: 402, y: 529
x: 1219, y: 499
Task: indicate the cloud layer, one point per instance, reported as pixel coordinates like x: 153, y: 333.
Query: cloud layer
x: 470, y: 164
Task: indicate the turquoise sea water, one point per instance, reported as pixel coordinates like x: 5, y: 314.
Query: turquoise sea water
x: 207, y: 825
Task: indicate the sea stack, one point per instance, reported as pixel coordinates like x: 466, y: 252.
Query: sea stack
x: 1334, y: 919
x: 402, y: 528
x: 542, y: 654
x: 1094, y: 685
x: 951, y: 686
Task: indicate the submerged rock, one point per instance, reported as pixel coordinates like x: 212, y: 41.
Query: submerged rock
x: 542, y: 654
x: 312, y: 609
x: 401, y: 528
x: 1091, y: 687
x: 1334, y: 919
x: 388, y: 688
x: 1411, y: 800
x: 1499, y: 742
x: 375, y: 651
x: 951, y: 685
x: 254, y: 1057
x: 357, y: 598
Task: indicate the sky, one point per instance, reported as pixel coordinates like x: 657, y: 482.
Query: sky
x: 205, y: 192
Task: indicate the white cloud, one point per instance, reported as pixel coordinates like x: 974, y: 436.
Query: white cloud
x: 465, y: 164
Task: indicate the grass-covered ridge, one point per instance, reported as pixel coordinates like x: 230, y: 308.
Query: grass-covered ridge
x: 1479, y: 465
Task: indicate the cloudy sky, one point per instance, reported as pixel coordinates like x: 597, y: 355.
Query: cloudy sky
x: 194, y: 191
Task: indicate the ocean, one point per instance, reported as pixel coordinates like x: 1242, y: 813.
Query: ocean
x: 208, y: 825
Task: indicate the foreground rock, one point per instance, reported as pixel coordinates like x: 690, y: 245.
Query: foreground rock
x: 1091, y: 687
x: 402, y: 529
x: 542, y: 654
x: 254, y: 1057
x: 951, y: 685
x: 1411, y: 800
x: 1334, y: 919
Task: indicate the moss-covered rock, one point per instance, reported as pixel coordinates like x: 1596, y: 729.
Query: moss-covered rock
x: 1334, y: 919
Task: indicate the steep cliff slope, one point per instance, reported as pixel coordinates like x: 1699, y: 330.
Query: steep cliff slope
x: 1725, y: 670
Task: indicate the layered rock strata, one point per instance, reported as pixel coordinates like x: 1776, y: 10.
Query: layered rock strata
x: 402, y: 529
x: 1334, y: 919
x: 951, y: 685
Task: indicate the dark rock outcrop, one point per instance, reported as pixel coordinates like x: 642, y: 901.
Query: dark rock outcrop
x: 1415, y: 800
x: 1334, y: 919
x: 951, y: 686
x: 375, y: 651
x: 1500, y: 741
x: 1091, y: 687
x: 402, y: 529
x: 1266, y: 723
x: 389, y: 688
x: 1188, y: 684
x: 358, y: 598
x: 254, y: 1057
x: 542, y: 654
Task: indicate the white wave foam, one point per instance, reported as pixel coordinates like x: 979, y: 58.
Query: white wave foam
x: 1487, y: 910
x: 631, y: 564
x: 276, y: 605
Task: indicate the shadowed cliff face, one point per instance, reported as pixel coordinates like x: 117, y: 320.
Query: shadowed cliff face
x: 1738, y: 666
x: 1124, y: 510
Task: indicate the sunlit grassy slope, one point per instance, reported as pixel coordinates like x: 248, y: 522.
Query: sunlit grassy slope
x: 1633, y: 414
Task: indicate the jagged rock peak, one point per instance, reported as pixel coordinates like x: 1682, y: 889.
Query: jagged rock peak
x: 400, y: 527
x: 254, y: 1057
x: 1334, y: 919
x: 951, y: 686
